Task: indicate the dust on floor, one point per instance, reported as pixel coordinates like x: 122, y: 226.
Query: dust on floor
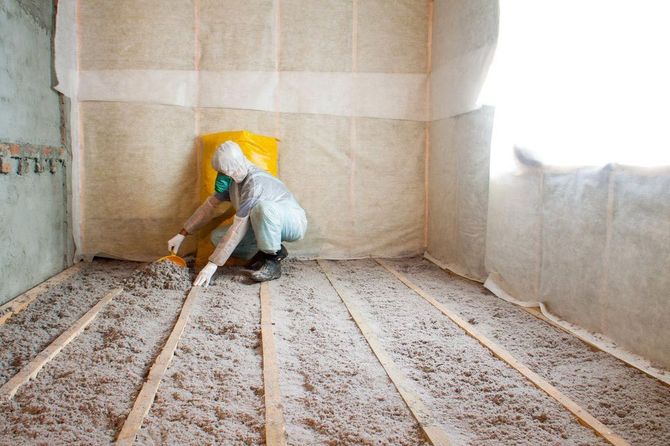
x: 212, y: 392
x: 634, y: 405
x: 84, y: 394
x: 30, y: 331
x: 469, y: 391
x: 334, y: 391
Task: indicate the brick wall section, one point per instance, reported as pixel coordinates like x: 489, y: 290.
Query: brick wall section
x: 31, y: 158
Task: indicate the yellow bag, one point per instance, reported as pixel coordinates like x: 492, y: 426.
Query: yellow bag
x: 260, y: 150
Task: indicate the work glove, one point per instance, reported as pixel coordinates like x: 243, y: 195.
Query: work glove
x: 205, y: 275
x: 175, y: 242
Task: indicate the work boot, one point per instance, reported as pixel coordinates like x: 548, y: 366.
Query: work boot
x: 270, y: 270
x: 282, y: 253
x: 256, y: 262
x: 260, y: 257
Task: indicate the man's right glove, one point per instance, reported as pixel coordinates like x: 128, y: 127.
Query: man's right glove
x: 205, y: 275
x: 175, y: 242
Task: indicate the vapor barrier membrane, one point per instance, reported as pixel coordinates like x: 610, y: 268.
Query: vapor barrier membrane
x: 139, y: 182
x: 393, y: 96
x: 346, y: 93
x: 544, y: 222
x: 591, y: 244
x: 464, y: 39
x: 459, y: 191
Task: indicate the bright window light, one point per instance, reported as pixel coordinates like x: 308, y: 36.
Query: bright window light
x: 582, y: 82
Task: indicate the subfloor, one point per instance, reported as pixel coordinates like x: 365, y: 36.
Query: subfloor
x: 334, y: 390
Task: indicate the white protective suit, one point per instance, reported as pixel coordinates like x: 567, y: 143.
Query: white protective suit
x: 261, y: 201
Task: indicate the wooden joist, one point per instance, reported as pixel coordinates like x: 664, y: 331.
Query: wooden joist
x: 30, y: 370
x: 148, y: 392
x: 19, y: 303
x: 582, y: 415
x: 426, y: 420
x: 275, y: 428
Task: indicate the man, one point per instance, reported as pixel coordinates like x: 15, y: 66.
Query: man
x: 267, y: 214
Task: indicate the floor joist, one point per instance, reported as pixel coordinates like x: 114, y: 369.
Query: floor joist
x: 21, y: 302
x: 146, y: 396
x: 434, y: 432
x: 583, y: 416
x: 30, y: 370
x: 275, y: 428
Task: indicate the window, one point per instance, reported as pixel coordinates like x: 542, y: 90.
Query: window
x: 582, y: 82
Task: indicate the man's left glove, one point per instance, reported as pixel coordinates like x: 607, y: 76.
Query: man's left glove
x: 205, y: 275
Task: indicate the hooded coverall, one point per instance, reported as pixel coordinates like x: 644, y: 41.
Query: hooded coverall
x: 266, y: 211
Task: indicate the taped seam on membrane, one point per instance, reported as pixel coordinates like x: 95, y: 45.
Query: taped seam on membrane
x: 375, y: 95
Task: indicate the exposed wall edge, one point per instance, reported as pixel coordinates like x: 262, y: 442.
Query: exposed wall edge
x: 450, y: 267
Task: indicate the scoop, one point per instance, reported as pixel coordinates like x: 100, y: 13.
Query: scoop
x: 174, y: 258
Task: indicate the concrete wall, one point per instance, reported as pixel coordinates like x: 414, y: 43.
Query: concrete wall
x: 34, y: 241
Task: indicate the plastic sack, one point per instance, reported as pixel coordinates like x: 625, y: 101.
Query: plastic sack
x: 260, y: 150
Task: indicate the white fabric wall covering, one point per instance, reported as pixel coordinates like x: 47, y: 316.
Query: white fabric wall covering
x: 574, y: 214
x: 66, y: 66
x: 465, y: 35
x: 458, y: 191
x: 637, y: 262
x: 166, y: 87
x: 464, y: 40
x: 132, y: 35
x: 242, y: 36
x: 592, y: 244
x: 138, y: 180
x: 377, y: 95
x: 345, y: 91
x: 514, y: 232
x: 464, y: 71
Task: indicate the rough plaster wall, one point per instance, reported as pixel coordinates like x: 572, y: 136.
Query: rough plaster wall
x: 29, y: 111
x: 360, y: 179
x: 40, y: 10
x: 33, y: 236
x: 34, y: 243
x: 460, y: 135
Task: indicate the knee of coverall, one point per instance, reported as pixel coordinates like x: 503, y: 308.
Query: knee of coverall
x: 266, y: 221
